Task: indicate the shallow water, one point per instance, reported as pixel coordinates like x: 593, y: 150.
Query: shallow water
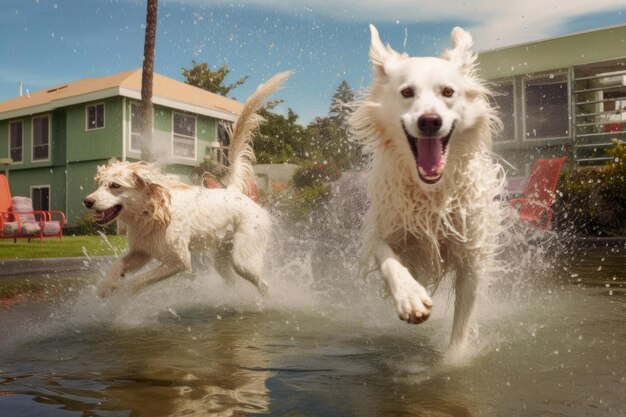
x: 551, y: 344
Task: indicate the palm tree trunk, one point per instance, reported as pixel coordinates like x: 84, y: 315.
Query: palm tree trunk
x: 146, y: 81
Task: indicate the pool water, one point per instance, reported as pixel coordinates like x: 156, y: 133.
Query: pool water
x: 551, y: 344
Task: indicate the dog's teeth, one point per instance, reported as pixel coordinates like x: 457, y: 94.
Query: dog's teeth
x: 424, y: 174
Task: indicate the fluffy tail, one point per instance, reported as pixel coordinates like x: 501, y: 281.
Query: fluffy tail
x: 241, y: 155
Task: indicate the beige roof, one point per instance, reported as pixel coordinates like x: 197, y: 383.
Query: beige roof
x: 166, y: 92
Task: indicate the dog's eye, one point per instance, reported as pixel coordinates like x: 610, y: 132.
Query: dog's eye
x: 407, y: 92
x: 114, y: 185
x: 447, y: 92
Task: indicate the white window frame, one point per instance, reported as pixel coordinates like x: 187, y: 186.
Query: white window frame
x: 513, y: 83
x: 130, y: 128
x: 32, y: 138
x: 9, y: 144
x: 184, y: 137
x: 87, y: 128
x: 32, y: 187
x: 529, y: 79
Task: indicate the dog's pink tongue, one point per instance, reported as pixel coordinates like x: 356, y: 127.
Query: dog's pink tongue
x: 429, y: 155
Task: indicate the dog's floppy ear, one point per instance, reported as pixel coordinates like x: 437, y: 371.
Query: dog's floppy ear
x: 382, y: 56
x: 141, y: 183
x: 461, y: 52
x: 159, y: 198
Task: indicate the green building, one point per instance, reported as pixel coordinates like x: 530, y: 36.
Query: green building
x: 559, y: 97
x: 57, y: 137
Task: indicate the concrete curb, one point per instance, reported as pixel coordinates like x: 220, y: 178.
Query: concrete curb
x: 52, y: 265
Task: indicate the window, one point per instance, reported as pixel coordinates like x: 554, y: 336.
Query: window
x: 95, y: 116
x: 505, y: 103
x: 16, y: 144
x: 220, y: 150
x: 547, y: 108
x: 41, y: 197
x: 41, y: 138
x: 135, y: 127
x: 184, y: 136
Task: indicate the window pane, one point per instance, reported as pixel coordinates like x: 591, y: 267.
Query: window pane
x: 16, y: 135
x: 222, y: 133
x: 184, y: 147
x: 100, y: 115
x: 135, y: 118
x: 40, y: 152
x: 135, y: 142
x: 505, y: 103
x: 16, y: 154
x: 91, y: 117
x: 40, y: 138
x: 135, y: 127
x: 41, y: 198
x: 546, y: 108
x: 184, y: 125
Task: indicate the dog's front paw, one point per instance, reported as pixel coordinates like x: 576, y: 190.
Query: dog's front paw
x: 412, y: 301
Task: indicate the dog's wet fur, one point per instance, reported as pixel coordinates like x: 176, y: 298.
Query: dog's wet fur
x: 426, y: 123
x: 166, y: 218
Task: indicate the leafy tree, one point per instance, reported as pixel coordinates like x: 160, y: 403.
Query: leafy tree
x: 200, y: 75
x: 280, y: 139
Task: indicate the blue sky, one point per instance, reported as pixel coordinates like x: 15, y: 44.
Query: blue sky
x: 44, y: 43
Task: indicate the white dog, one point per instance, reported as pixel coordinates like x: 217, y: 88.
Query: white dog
x: 427, y: 123
x: 166, y: 217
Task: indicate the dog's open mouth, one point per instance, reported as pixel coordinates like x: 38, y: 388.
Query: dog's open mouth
x: 430, y: 155
x: 105, y: 216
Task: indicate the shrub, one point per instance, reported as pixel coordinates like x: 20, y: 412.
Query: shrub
x: 314, y: 174
x: 208, y: 167
x: 311, y: 189
x: 592, y: 200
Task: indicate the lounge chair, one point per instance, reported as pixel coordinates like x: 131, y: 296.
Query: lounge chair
x: 18, y: 219
x: 37, y: 223
x: 535, y: 206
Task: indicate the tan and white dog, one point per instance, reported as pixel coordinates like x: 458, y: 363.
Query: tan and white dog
x: 426, y: 123
x: 165, y: 218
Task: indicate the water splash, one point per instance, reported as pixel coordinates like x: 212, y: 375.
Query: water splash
x: 312, y: 271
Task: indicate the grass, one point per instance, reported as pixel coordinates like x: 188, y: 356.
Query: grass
x: 68, y: 247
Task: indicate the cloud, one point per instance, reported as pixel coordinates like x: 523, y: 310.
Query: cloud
x: 530, y: 20
x: 493, y: 23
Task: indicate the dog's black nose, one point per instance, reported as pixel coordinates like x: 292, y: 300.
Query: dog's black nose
x: 429, y: 124
x: 89, y: 202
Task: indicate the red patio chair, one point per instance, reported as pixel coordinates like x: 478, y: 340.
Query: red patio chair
x: 37, y: 223
x: 10, y: 226
x: 535, y: 206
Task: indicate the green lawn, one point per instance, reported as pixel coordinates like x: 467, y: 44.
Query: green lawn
x: 69, y: 246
